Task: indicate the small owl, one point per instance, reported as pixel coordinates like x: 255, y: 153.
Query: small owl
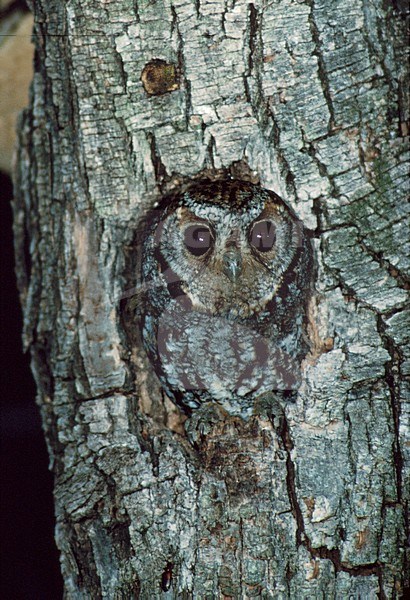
x: 226, y: 275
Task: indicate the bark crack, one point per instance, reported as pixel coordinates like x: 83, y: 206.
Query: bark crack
x: 286, y: 171
x: 136, y: 10
x: 403, y: 280
x: 322, y: 70
x: 381, y: 53
x: 321, y: 552
x: 182, y: 66
x: 161, y: 175
x: 392, y: 377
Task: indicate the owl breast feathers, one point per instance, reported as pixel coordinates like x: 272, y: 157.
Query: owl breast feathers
x: 226, y: 274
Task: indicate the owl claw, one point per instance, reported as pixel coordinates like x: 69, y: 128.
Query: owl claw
x: 267, y: 406
x: 203, y: 421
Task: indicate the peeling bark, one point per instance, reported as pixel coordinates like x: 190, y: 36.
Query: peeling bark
x: 307, y: 99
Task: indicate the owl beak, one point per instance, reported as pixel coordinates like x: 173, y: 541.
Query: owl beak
x: 232, y: 264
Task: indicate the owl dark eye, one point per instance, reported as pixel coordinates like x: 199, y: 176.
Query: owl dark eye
x: 198, y: 239
x: 262, y: 236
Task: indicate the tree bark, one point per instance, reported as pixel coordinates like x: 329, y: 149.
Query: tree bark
x: 307, y: 96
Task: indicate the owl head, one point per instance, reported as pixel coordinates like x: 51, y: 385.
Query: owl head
x: 226, y: 247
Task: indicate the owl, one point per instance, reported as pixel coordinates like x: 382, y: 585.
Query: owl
x: 226, y: 275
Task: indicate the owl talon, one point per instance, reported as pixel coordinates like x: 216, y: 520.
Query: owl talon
x: 203, y: 421
x: 267, y: 406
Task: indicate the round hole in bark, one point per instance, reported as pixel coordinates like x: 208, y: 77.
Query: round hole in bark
x: 159, y: 77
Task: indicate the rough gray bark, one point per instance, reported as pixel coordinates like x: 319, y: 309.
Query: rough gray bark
x: 309, y: 95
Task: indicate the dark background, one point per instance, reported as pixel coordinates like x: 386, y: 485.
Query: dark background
x: 29, y: 560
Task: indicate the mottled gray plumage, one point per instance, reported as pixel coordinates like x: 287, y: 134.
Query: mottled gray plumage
x: 226, y: 274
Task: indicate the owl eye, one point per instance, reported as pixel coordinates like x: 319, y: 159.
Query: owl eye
x: 262, y: 236
x: 198, y: 239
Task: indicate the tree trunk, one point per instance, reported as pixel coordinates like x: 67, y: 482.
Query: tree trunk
x: 129, y: 101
